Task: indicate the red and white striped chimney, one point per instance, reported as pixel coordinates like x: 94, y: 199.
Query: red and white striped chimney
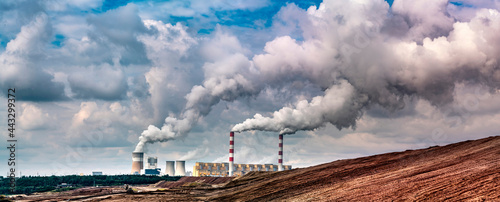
x: 280, y: 154
x: 231, y: 153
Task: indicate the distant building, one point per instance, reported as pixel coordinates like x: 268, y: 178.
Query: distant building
x: 63, y: 185
x: 152, y: 171
x: 222, y: 169
x: 152, y: 162
x: 96, y: 173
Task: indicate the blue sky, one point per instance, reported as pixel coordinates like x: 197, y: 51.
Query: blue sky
x: 96, y: 78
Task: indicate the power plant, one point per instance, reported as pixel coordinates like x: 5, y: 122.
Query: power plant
x: 231, y: 153
x: 152, y: 166
x: 138, y: 166
x: 280, y: 153
x: 170, y: 169
x: 137, y: 162
x: 178, y: 168
x: 152, y: 162
x: 222, y: 169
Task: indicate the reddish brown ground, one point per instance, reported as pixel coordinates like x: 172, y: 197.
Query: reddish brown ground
x: 467, y: 170
x: 194, y: 181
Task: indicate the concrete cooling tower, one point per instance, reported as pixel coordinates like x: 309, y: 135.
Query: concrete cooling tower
x: 170, y: 170
x: 180, y: 168
x: 137, y: 162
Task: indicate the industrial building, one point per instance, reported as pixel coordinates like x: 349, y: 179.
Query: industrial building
x: 222, y: 169
x: 152, y: 162
x: 96, y: 173
x: 177, y: 168
x: 137, y: 162
x: 155, y: 171
x: 170, y: 168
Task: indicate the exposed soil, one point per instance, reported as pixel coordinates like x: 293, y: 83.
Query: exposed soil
x: 467, y: 170
x: 194, y: 181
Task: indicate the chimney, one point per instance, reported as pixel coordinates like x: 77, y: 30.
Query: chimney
x: 231, y: 153
x: 137, y: 162
x: 180, y: 168
x: 170, y: 170
x: 280, y: 153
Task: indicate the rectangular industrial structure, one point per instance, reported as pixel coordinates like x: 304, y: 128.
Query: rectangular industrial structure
x: 222, y: 169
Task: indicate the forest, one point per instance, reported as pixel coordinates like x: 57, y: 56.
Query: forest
x: 32, y: 184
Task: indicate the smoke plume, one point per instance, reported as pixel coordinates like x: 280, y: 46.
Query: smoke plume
x: 360, y: 54
x: 378, y: 68
x: 340, y: 106
x: 224, y: 80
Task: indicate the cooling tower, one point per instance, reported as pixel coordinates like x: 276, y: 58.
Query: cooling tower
x: 231, y: 153
x: 170, y: 170
x: 280, y: 153
x: 180, y: 168
x: 137, y: 162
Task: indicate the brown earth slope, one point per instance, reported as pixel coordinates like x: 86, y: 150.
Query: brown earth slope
x: 187, y: 181
x: 467, y: 170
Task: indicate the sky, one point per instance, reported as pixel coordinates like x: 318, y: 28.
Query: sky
x: 96, y: 80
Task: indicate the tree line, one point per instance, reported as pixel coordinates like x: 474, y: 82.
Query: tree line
x: 31, y: 184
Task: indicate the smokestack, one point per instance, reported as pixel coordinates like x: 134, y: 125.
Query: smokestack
x: 137, y: 162
x: 170, y: 170
x: 231, y: 153
x: 280, y: 153
x: 180, y: 168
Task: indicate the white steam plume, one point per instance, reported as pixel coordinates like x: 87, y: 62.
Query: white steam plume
x: 223, y: 81
x: 341, y: 106
x: 360, y: 56
x: 382, y: 69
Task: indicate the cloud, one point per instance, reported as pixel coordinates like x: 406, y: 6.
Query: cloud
x: 223, y: 81
x: 120, y: 27
x: 33, y: 118
x: 423, y: 18
x: 408, y: 76
x: 106, y: 125
x: 19, y: 64
x: 99, y: 82
x: 355, y: 63
x: 430, y: 70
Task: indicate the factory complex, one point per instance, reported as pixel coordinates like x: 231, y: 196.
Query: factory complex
x: 177, y: 168
x: 222, y: 169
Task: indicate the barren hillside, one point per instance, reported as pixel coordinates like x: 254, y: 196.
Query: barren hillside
x: 467, y: 170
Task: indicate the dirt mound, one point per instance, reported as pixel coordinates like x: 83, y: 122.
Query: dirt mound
x: 467, y: 170
x: 189, y: 181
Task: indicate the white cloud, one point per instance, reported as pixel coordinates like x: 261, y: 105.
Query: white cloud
x: 33, y: 118
x: 114, y: 74
x: 102, y: 82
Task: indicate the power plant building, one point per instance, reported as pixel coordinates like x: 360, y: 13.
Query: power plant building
x: 152, y: 162
x: 222, y: 169
x: 180, y: 168
x: 155, y: 171
x: 137, y: 162
x: 170, y: 168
